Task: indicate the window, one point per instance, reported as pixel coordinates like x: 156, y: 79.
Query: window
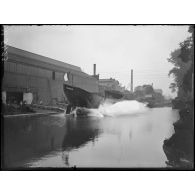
x: 66, y: 77
x: 53, y: 75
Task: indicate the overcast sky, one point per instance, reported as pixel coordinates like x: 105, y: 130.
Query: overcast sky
x: 115, y: 49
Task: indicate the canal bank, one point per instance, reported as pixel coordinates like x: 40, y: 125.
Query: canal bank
x: 179, y: 148
x: 33, y: 111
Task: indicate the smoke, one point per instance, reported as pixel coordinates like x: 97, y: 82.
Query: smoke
x: 126, y: 107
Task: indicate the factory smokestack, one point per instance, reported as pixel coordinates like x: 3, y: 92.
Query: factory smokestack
x: 131, y: 80
x: 94, y: 69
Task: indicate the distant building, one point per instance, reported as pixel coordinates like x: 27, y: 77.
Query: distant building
x: 158, y: 91
x: 138, y: 88
x: 28, y: 75
x: 147, y: 92
x: 129, y: 95
x: 144, y: 91
x: 111, y: 84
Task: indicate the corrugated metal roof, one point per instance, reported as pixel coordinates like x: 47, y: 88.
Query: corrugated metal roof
x: 34, y: 56
x: 19, y: 55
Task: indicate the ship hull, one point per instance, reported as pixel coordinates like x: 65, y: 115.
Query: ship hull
x: 78, y: 97
x: 113, y: 94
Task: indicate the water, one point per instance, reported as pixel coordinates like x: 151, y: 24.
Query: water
x: 133, y: 140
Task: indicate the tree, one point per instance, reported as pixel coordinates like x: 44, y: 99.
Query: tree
x: 183, y: 61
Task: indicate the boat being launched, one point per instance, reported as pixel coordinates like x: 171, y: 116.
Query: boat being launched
x: 78, y: 97
x: 82, y: 90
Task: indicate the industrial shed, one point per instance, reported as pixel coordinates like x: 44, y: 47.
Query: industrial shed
x: 28, y: 73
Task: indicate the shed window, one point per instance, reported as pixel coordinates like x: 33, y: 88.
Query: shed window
x: 65, y: 77
x: 53, y: 75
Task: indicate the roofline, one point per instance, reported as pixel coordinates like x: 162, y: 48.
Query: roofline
x: 15, y: 55
x: 41, y: 58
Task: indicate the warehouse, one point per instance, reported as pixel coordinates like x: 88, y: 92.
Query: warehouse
x: 38, y: 79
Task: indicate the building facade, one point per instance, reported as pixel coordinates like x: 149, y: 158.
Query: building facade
x: 28, y: 73
x: 111, y: 84
x: 148, y: 92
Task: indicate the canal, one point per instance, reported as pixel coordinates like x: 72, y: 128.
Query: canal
x: 130, y: 141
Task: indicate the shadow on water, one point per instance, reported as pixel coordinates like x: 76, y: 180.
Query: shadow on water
x: 79, y: 132
x: 28, y: 139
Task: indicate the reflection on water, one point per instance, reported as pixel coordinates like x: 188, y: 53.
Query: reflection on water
x: 59, y: 141
x: 78, y: 133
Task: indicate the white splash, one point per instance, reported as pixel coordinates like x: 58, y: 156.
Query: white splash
x: 126, y: 107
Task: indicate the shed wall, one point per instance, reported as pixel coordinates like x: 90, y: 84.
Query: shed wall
x: 21, y: 77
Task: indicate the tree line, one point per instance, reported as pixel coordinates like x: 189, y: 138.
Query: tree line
x: 183, y: 60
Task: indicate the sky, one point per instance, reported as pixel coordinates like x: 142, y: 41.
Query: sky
x: 114, y: 49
